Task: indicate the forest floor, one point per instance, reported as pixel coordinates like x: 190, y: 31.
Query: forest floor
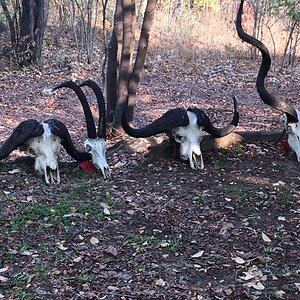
x: 156, y: 229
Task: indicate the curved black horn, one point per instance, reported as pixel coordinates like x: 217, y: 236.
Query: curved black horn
x: 21, y: 134
x: 265, y: 96
x: 90, y: 124
x: 204, y: 121
x: 101, y: 133
x: 59, y: 129
x: 169, y: 120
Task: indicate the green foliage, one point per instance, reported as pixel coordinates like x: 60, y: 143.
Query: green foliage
x: 207, y: 4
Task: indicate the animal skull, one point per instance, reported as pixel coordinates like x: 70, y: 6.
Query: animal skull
x: 189, y: 138
x: 96, y: 148
x: 45, y: 149
x: 293, y: 132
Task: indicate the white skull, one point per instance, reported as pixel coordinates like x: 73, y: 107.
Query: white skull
x: 45, y: 149
x: 96, y: 147
x: 293, y: 131
x: 189, y: 138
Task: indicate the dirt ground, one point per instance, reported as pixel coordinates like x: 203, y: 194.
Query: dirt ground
x: 156, y: 229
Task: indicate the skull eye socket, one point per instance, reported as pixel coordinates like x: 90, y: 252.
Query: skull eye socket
x: 88, y: 148
x: 179, y: 138
x: 289, y: 129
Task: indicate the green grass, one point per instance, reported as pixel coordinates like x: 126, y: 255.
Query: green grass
x: 44, y: 216
x: 284, y: 196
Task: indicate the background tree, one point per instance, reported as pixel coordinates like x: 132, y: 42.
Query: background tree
x: 27, y: 27
x: 126, y: 75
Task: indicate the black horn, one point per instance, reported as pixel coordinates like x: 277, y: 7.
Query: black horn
x: 91, y: 129
x: 21, y: 134
x: 101, y: 133
x: 204, y: 121
x: 265, y: 96
x: 169, y: 120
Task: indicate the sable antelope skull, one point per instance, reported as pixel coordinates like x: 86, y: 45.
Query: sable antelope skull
x: 292, y: 115
x: 187, y: 128
x: 95, y: 143
x: 43, y: 141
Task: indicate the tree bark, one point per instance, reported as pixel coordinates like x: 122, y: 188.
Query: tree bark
x: 32, y: 27
x: 125, y: 61
x: 135, y: 76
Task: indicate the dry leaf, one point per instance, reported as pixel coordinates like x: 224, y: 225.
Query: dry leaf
x: 3, y: 279
x: 265, y: 237
x: 4, y: 269
x: 14, y: 171
x: 238, y: 260
x: 61, y: 246
x: 106, y: 211
x: 94, y: 240
x: 160, y: 282
x: 279, y: 294
x: 77, y: 259
x: 111, y: 250
x: 297, y: 286
x: 198, y: 254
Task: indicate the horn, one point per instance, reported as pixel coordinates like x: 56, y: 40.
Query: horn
x: 265, y: 96
x: 90, y: 124
x: 169, y: 120
x: 101, y: 133
x: 20, y: 135
x: 59, y: 129
x: 204, y: 121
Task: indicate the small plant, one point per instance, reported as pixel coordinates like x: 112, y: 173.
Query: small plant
x: 284, y: 196
x: 85, y: 278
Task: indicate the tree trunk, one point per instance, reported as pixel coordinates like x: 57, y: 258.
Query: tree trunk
x: 135, y: 76
x: 32, y: 27
x: 125, y: 61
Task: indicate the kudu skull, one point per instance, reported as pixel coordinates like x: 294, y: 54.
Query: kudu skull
x: 187, y: 128
x: 292, y: 115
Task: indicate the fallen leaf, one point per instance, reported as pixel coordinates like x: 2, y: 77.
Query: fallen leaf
x: 106, y: 211
x: 111, y: 250
x: 4, y: 269
x: 198, y: 254
x: 297, y: 286
x: 14, y: 171
x: 77, y: 259
x: 3, y: 279
x: 61, y: 246
x: 279, y: 294
x: 94, y: 240
x: 160, y: 282
x: 238, y: 260
x: 265, y: 237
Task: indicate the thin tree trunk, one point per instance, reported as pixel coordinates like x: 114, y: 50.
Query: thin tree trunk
x: 141, y: 56
x: 125, y: 61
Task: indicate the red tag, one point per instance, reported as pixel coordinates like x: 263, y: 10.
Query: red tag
x: 88, y: 166
x: 286, y: 146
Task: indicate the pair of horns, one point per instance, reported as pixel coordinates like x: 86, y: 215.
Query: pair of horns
x: 178, y: 117
x: 91, y: 128
x: 265, y: 96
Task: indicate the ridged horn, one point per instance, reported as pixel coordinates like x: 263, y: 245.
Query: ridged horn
x: 59, y: 129
x: 265, y: 96
x: 168, y: 121
x: 204, y: 121
x: 90, y: 124
x: 101, y: 133
x: 20, y: 135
